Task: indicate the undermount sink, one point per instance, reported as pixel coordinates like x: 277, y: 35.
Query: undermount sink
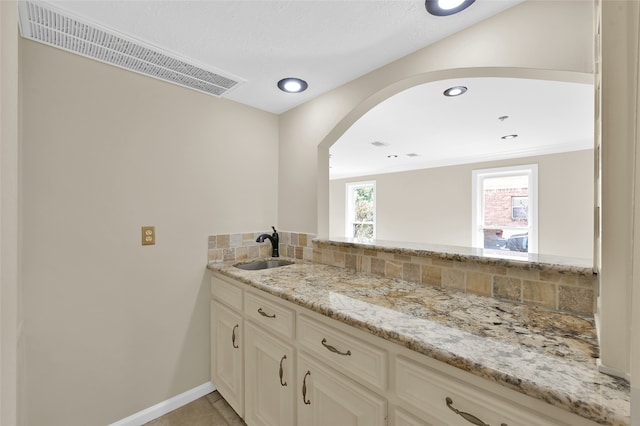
x: 263, y: 264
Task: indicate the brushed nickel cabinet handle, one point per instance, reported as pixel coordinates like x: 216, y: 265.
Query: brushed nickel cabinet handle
x: 282, y: 372
x: 304, y: 389
x: 468, y: 417
x: 334, y: 350
x: 233, y: 336
x: 264, y: 314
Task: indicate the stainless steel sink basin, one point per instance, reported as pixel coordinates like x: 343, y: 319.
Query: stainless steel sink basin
x: 263, y: 264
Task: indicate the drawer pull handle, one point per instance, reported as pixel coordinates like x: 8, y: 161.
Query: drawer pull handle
x: 264, y: 314
x: 304, y: 389
x: 334, y: 350
x: 282, y: 372
x: 233, y: 336
x: 468, y: 417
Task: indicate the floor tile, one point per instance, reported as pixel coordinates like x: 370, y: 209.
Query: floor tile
x: 209, y: 410
x: 225, y: 409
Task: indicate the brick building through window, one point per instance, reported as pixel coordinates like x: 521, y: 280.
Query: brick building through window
x: 506, y: 207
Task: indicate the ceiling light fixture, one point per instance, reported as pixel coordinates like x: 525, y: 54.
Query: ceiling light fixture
x: 455, y: 91
x: 509, y: 137
x: 446, y: 7
x: 392, y: 156
x: 292, y: 85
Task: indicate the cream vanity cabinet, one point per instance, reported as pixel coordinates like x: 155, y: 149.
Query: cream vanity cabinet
x: 280, y: 364
x: 443, y: 399
x: 252, y: 365
x: 322, y: 387
x: 329, y: 398
x: 269, y: 381
x: 269, y: 362
x: 227, y: 346
x: 333, y: 366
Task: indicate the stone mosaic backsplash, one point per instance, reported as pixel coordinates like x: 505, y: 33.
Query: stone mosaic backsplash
x: 562, y: 290
x: 243, y: 246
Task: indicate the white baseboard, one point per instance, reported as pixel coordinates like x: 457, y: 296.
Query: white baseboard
x: 162, y: 408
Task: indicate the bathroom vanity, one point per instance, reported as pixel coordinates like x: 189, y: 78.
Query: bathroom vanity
x: 314, y: 344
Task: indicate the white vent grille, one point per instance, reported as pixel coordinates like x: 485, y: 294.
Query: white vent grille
x: 54, y: 28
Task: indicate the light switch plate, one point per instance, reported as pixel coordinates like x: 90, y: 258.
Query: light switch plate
x: 148, y: 235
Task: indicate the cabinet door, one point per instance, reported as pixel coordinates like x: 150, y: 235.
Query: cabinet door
x: 269, y: 379
x: 402, y: 418
x: 226, y: 355
x: 325, y: 397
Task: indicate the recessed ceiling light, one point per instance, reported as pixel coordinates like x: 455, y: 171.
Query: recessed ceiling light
x: 378, y: 143
x: 502, y: 118
x: 413, y: 154
x: 455, y: 91
x: 446, y: 7
x: 292, y: 85
x: 509, y: 137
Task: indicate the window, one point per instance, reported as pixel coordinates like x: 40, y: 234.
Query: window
x: 519, y: 207
x: 361, y: 210
x: 505, y: 209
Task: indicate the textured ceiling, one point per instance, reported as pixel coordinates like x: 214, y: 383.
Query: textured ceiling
x: 327, y: 43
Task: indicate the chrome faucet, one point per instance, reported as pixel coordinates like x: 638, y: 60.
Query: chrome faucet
x: 275, y: 240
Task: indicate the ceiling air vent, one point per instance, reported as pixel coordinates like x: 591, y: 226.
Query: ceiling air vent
x: 55, y: 28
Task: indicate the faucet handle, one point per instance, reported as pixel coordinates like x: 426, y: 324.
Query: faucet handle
x: 274, y: 229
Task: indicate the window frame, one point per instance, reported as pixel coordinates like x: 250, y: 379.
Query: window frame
x: 350, y: 187
x: 477, y: 202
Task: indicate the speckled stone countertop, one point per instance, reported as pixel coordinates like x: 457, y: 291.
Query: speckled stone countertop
x: 543, y: 354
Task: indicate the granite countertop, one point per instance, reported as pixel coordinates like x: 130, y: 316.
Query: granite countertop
x: 540, y: 353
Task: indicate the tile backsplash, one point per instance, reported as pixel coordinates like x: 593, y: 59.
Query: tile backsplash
x: 243, y: 246
x: 567, y: 291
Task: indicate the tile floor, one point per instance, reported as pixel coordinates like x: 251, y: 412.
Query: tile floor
x: 210, y: 410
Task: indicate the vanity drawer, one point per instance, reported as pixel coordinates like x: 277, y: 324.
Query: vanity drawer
x: 360, y: 360
x: 269, y: 314
x: 226, y: 292
x: 449, y: 400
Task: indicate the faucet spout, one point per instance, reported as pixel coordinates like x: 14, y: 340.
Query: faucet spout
x: 275, y: 241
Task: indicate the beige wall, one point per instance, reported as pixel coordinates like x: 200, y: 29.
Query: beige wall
x: 620, y: 30
x: 535, y: 35
x: 11, y: 345
x: 113, y: 327
x: 434, y: 205
x: 635, y: 291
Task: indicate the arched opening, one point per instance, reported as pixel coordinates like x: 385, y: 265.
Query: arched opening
x: 554, y: 242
